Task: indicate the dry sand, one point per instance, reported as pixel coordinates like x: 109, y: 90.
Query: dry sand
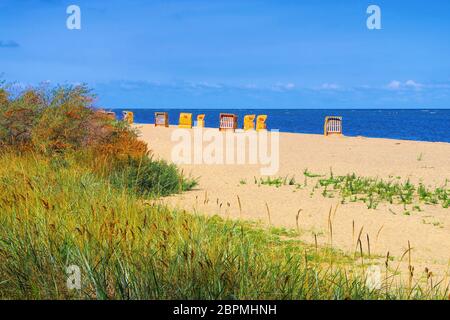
x: 428, y: 231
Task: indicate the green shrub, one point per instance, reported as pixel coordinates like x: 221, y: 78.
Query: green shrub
x: 62, y: 122
x: 146, y: 176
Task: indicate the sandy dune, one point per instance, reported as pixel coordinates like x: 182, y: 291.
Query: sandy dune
x: 387, y: 226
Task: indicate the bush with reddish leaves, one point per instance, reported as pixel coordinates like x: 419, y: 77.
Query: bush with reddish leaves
x: 62, y: 122
x: 19, y: 116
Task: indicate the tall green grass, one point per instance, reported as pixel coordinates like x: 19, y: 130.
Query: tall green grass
x: 59, y: 213
x: 147, y: 177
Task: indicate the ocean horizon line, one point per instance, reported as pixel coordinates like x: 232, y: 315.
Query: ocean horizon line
x: 403, y: 124
x: 263, y: 108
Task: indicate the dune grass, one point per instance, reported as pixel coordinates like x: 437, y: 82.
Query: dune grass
x: 59, y: 213
x: 371, y: 191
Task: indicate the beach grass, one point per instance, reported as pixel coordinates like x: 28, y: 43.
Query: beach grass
x: 54, y: 214
x: 369, y: 190
x: 372, y: 191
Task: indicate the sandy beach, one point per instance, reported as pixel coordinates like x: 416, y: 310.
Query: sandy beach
x: 387, y: 226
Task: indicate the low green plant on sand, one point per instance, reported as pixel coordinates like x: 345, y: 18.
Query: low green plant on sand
x: 371, y: 191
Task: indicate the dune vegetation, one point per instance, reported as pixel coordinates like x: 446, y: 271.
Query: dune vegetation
x: 371, y: 191
x: 79, y: 188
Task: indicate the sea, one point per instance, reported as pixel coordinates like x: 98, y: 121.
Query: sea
x: 405, y: 124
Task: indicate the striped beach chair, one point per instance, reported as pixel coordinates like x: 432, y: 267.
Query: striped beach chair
x: 161, y: 119
x: 110, y: 115
x: 228, y: 121
x: 333, y: 125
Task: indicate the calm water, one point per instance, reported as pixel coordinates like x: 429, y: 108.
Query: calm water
x: 424, y: 125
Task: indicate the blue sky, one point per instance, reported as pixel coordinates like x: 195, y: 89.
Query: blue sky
x: 241, y: 54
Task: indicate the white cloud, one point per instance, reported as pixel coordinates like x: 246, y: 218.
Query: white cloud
x: 330, y: 86
x: 205, y: 84
x: 290, y: 86
x: 397, y: 85
x: 283, y: 86
x: 413, y: 84
x: 394, y: 84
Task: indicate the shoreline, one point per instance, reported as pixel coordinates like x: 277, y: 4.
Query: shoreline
x: 239, y: 130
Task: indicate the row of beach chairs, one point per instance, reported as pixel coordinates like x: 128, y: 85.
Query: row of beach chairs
x: 229, y: 121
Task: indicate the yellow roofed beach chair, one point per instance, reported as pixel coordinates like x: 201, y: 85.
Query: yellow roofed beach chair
x: 249, y: 122
x: 201, y: 121
x: 128, y: 116
x: 185, y: 120
x: 261, y: 122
